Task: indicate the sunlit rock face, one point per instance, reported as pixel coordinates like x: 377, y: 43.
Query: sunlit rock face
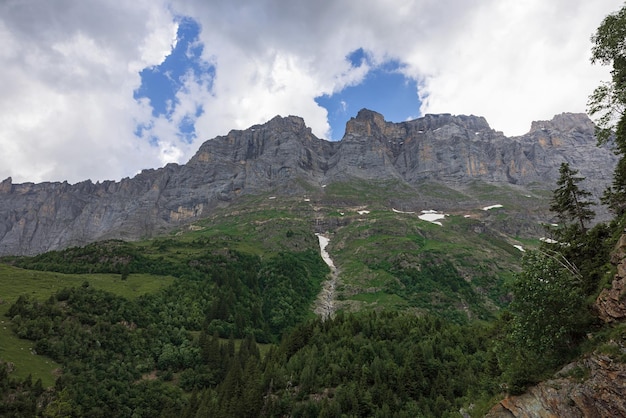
x: 284, y: 158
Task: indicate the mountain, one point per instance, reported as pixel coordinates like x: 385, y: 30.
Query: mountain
x: 441, y: 162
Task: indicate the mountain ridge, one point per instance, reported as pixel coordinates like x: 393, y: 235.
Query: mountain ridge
x: 283, y: 157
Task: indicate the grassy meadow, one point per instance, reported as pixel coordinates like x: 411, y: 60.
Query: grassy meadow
x: 15, y: 282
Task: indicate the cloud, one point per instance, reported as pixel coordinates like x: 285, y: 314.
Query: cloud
x: 70, y: 70
x: 512, y: 63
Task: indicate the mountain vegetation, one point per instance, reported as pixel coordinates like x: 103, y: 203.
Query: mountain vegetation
x: 215, y: 317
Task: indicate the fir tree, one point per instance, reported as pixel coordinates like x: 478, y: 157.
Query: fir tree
x: 569, y: 201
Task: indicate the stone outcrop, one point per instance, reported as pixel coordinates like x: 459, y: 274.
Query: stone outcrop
x: 611, y: 303
x: 283, y: 157
x: 592, y: 387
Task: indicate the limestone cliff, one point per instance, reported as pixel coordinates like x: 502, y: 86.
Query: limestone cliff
x: 283, y: 157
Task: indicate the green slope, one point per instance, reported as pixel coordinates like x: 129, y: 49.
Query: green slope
x: 253, y: 270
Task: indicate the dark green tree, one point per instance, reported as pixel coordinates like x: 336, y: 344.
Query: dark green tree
x: 607, y: 104
x: 569, y: 201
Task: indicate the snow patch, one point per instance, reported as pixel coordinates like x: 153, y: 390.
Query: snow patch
x: 362, y: 212
x: 492, y: 207
x: 325, y: 256
x: 400, y: 211
x: 548, y: 240
x: 272, y: 197
x: 519, y: 247
x: 432, y: 216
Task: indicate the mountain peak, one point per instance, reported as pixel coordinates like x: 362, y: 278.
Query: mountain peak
x: 434, y: 121
x: 565, y: 122
x: 296, y: 121
x: 367, y: 114
x: 367, y: 122
x: 6, y: 184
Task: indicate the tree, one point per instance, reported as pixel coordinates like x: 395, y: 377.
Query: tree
x: 608, y: 101
x: 548, y: 304
x: 569, y: 201
x: 549, y: 318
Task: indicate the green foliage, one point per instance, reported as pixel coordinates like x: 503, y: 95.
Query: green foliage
x: 110, y: 345
x: 397, y: 261
x: 19, y: 397
x: 589, y: 253
x: 252, y: 276
x: 289, y: 283
x: 549, y: 319
x: 547, y: 305
x: 438, y: 286
x: 229, y: 291
x: 607, y: 103
x: 365, y: 364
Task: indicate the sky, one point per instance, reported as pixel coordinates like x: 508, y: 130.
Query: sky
x: 102, y: 89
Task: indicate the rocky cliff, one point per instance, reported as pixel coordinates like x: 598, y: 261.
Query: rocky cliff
x: 592, y: 387
x: 610, y: 305
x: 283, y: 157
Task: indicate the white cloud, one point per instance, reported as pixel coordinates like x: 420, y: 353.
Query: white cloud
x: 515, y: 62
x: 70, y: 69
x: 512, y: 63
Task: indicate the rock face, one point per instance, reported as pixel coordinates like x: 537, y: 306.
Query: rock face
x: 281, y: 157
x: 611, y: 303
x: 599, y: 393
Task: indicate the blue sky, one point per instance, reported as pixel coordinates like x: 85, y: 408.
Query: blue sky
x: 384, y: 89
x: 101, y: 90
x: 160, y: 83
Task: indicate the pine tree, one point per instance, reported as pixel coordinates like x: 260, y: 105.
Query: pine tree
x: 569, y: 201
